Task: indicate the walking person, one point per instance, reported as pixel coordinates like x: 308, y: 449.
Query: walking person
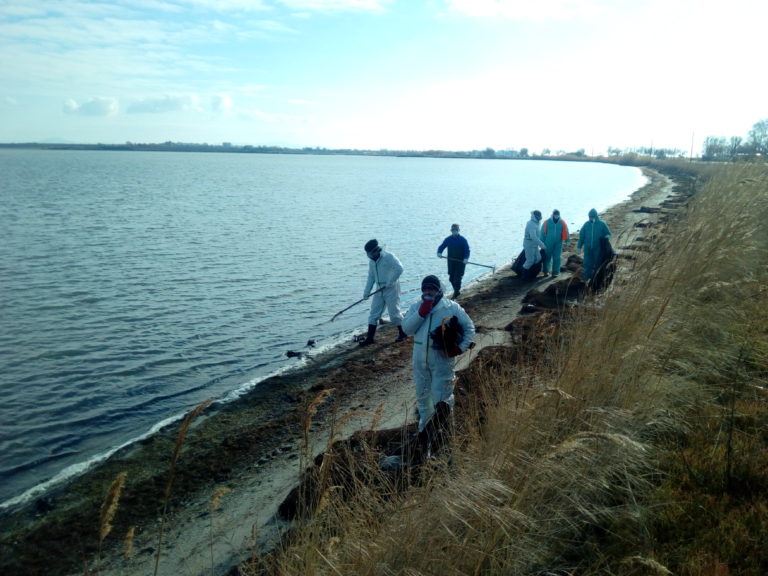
x: 591, y: 239
x: 458, y: 256
x: 554, y: 232
x: 532, y: 243
x: 384, y: 270
x: 442, y: 330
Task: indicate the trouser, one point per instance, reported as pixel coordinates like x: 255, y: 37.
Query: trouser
x: 389, y: 298
x: 455, y: 274
x: 592, y: 259
x: 532, y: 256
x: 434, y: 383
x: 554, y: 252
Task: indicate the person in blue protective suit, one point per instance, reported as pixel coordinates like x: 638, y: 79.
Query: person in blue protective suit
x: 590, y: 237
x: 458, y: 255
x: 441, y: 331
x: 554, y: 232
x: 532, y: 243
x: 384, y: 270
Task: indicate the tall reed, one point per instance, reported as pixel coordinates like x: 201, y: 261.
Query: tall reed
x: 181, y: 436
x: 564, y: 464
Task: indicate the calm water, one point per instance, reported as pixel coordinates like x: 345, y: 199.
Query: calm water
x: 135, y: 285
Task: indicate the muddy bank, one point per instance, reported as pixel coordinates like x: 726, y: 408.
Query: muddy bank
x: 247, y: 455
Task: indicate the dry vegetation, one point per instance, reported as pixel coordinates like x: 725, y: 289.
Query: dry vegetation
x: 630, y: 439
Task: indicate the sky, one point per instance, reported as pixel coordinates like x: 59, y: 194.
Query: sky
x: 561, y: 75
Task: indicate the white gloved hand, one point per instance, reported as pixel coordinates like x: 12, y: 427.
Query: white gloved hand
x: 466, y: 260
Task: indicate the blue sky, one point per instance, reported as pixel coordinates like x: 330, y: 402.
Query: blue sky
x: 396, y: 74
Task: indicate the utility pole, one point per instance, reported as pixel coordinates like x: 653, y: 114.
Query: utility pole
x: 690, y: 159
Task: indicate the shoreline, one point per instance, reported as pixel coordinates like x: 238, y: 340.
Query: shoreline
x: 252, y: 446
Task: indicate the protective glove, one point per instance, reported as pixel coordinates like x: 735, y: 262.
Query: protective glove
x: 439, y: 255
x: 366, y: 295
x: 453, y: 352
x: 426, y: 306
x: 466, y: 260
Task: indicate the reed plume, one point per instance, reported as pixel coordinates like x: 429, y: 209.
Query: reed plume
x: 108, y: 510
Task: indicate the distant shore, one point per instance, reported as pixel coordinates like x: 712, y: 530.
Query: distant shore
x: 485, y: 154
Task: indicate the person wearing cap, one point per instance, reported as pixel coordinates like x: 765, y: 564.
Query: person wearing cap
x: 590, y: 238
x: 532, y: 243
x: 384, y: 270
x: 433, y: 358
x: 554, y: 232
x: 458, y: 255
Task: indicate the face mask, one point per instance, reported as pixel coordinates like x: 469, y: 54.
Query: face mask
x: 454, y: 232
x: 427, y: 297
x: 555, y: 218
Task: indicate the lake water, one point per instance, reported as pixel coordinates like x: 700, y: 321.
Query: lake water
x: 135, y: 285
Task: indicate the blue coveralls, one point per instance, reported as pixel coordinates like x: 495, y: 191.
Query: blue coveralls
x: 589, y: 239
x: 553, y: 234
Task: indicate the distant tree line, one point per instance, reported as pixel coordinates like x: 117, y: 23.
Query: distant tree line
x: 715, y: 148
x: 735, y: 147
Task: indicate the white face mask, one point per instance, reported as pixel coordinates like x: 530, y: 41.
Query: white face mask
x: 454, y: 232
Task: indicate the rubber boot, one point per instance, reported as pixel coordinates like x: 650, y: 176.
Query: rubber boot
x: 369, y: 338
x: 425, y: 445
x: 401, y: 336
x: 456, y: 289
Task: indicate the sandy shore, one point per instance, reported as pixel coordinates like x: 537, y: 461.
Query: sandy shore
x: 250, y: 453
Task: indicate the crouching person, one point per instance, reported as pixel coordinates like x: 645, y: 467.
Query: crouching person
x: 442, y: 330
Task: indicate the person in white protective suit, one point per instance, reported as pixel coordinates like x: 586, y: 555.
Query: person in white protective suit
x: 532, y: 243
x: 384, y: 270
x: 433, y: 358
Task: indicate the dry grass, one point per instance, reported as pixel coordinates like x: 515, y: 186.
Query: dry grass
x: 640, y: 436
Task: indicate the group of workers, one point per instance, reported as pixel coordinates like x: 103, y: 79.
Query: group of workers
x: 440, y: 327
x: 544, y: 243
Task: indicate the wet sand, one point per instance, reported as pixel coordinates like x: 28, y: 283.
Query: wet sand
x: 248, y: 454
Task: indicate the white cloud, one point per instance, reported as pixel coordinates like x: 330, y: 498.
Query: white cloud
x: 210, y: 5
x: 336, y: 5
x: 93, y: 107
x: 175, y: 103
x: 528, y: 10
x: 222, y: 103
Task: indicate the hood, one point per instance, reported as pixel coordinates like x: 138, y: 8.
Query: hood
x: 592, y: 213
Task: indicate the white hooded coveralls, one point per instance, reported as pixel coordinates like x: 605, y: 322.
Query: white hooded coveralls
x: 385, y: 273
x: 433, y: 370
x: 532, y: 243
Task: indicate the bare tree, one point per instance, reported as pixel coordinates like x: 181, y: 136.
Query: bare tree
x: 758, y: 137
